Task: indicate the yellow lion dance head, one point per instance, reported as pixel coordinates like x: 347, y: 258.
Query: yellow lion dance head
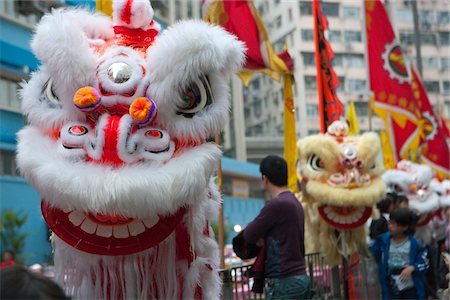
x: 340, y: 184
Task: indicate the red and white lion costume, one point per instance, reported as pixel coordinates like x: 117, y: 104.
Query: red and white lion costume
x: 118, y: 119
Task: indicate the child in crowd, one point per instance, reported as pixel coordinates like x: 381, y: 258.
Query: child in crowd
x: 401, y: 259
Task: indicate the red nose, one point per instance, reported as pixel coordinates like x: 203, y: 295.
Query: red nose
x: 110, y: 146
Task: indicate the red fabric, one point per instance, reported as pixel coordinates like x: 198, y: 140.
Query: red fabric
x: 135, y: 37
x: 5, y: 264
x: 331, y: 106
x: 126, y: 12
x: 389, y: 79
x: 435, y: 148
x: 238, y: 18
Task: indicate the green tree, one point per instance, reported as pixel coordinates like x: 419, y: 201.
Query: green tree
x: 11, y: 236
x: 226, y: 231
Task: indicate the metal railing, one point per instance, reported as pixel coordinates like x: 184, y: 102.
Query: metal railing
x: 326, y: 282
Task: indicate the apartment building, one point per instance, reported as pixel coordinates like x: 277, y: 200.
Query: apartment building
x: 291, y: 22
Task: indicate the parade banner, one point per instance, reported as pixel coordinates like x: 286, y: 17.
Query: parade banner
x: 390, y: 83
x: 352, y: 119
x: 243, y: 20
x: 434, y: 151
x: 330, y: 107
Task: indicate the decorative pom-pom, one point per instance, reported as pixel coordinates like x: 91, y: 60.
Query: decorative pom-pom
x: 87, y: 98
x: 143, y: 110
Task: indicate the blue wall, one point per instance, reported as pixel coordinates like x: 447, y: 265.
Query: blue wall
x: 17, y: 195
x: 239, y: 211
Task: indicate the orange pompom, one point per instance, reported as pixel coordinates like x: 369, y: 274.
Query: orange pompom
x: 86, y: 98
x: 142, y: 110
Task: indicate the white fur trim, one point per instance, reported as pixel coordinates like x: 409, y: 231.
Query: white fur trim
x: 195, y: 49
x: 129, y: 191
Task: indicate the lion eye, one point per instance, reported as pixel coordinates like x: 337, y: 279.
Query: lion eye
x: 315, y: 163
x: 195, y: 98
x: 49, y: 94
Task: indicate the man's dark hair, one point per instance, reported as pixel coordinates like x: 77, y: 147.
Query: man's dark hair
x: 402, y: 216
x: 383, y: 205
x: 17, y: 282
x: 400, y: 199
x: 275, y: 169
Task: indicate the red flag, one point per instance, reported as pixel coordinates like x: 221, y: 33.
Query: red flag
x: 434, y: 151
x: 330, y: 107
x: 391, y: 86
x: 242, y: 19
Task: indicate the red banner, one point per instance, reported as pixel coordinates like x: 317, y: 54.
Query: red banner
x: 434, y: 151
x: 242, y: 19
x: 330, y: 107
x: 391, y: 85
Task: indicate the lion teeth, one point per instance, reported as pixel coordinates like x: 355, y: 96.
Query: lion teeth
x: 150, y: 221
x: 104, y: 231
x: 76, y: 217
x: 136, y: 228
x: 88, y: 226
x: 121, y: 232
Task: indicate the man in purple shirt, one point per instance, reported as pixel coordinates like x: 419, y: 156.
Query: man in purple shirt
x: 280, y: 228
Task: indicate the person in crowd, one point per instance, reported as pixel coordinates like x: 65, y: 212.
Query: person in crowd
x: 380, y: 225
x: 7, y: 259
x: 400, y: 201
x: 279, y: 228
x: 17, y: 282
x: 401, y: 259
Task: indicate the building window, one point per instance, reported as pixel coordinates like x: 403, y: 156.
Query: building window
x: 308, y: 59
x: 351, y: 12
x: 444, y: 38
x: 189, y: 10
x: 430, y: 62
x: 338, y: 60
x: 406, y: 38
x: 426, y: 19
x: 341, y: 86
x: 443, y: 17
x: 334, y: 36
x: 313, y: 131
x: 356, y: 85
x: 310, y: 83
x: 362, y: 109
x: 428, y: 38
x: 278, y: 22
x: 352, y: 36
x: 330, y: 9
x: 355, y: 60
x: 8, y: 163
x: 431, y: 86
x: 306, y: 8
x: 307, y: 35
x: 446, y: 87
x: 312, y: 110
x: 290, y: 15
x: 405, y: 15
x: 277, y: 2
x: 9, y: 97
x: 445, y: 63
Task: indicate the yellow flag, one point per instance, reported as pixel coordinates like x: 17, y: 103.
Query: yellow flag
x: 290, y: 136
x: 104, y: 6
x: 388, y: 156
x: 352, y: 119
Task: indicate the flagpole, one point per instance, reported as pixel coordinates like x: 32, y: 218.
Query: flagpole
x: 318, y: 69
x: 220, y: 226
x: 366, y: 54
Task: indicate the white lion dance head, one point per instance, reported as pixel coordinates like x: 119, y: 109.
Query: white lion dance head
x: 413, y: 180
x: 340, y: 184
x: 118, y: 119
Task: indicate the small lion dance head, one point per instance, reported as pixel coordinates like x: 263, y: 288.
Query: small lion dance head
x: 340, y: 184
x: 118, y: 118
